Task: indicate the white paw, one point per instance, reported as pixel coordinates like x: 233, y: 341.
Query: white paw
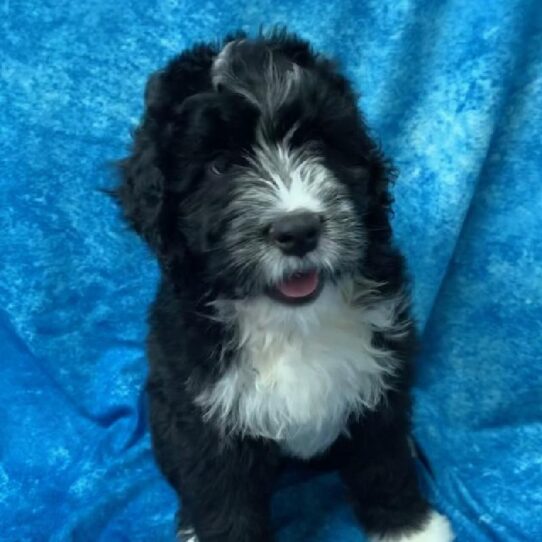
x: 187, y: 535
x: 437, y: 529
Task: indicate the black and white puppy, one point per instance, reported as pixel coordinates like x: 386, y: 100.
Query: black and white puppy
x: 281, y: 327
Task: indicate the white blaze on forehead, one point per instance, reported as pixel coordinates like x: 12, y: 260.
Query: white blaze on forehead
x: 294, y: 179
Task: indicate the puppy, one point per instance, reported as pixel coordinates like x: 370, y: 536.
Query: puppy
x: 281, y: 328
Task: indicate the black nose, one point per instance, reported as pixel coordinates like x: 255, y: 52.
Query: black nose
x: 296, y: 233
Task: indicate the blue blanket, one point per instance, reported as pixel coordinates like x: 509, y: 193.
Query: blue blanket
x: 452, y: 89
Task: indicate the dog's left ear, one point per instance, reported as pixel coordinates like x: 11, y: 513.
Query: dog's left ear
x: 379, y: 176
x: 372, y: 176
x: 382, y: 262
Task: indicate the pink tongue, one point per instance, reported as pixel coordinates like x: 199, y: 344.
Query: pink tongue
x: 300, y: 285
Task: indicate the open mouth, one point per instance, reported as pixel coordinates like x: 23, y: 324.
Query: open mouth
x: 298, y: 288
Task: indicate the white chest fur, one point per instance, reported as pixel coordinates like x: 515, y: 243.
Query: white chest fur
x: 301, y: 371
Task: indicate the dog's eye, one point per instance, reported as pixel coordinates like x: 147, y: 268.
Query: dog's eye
x: 219, y: 166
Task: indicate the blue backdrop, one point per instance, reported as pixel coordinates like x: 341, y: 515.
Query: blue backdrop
x: 453, y: 89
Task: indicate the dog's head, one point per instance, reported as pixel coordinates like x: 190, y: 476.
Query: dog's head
x: 252, y: 171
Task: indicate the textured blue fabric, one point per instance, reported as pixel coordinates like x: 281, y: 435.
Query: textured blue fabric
x: 454, y: 92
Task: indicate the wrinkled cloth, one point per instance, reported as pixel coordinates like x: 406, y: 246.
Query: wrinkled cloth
x: 452, y: 90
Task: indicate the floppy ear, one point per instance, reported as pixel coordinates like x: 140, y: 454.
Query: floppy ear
x: 144, y: 173
x: 141, y: 192
x: 380, y: 170
x: 382, y: 174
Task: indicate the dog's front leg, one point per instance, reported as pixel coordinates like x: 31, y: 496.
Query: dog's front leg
x: 225, y: 492
x: 379, y: 470
x: 223, y: 483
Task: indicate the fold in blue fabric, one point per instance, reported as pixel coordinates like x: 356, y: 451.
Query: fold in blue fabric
x: 452, y: 90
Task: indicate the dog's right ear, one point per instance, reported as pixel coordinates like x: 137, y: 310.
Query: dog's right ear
x: 144, y: 173
x: 185, y: 75
x: 141, y: 191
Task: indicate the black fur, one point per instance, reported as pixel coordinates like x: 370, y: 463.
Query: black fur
x: 170, y: 196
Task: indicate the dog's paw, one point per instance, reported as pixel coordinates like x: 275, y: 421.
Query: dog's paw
x: 187, y: 535
x: 436, y: 529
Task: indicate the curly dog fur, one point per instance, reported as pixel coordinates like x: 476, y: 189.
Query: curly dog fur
x: 281, y: 330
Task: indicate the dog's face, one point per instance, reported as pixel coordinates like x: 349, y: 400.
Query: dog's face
x: 253, y: 163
